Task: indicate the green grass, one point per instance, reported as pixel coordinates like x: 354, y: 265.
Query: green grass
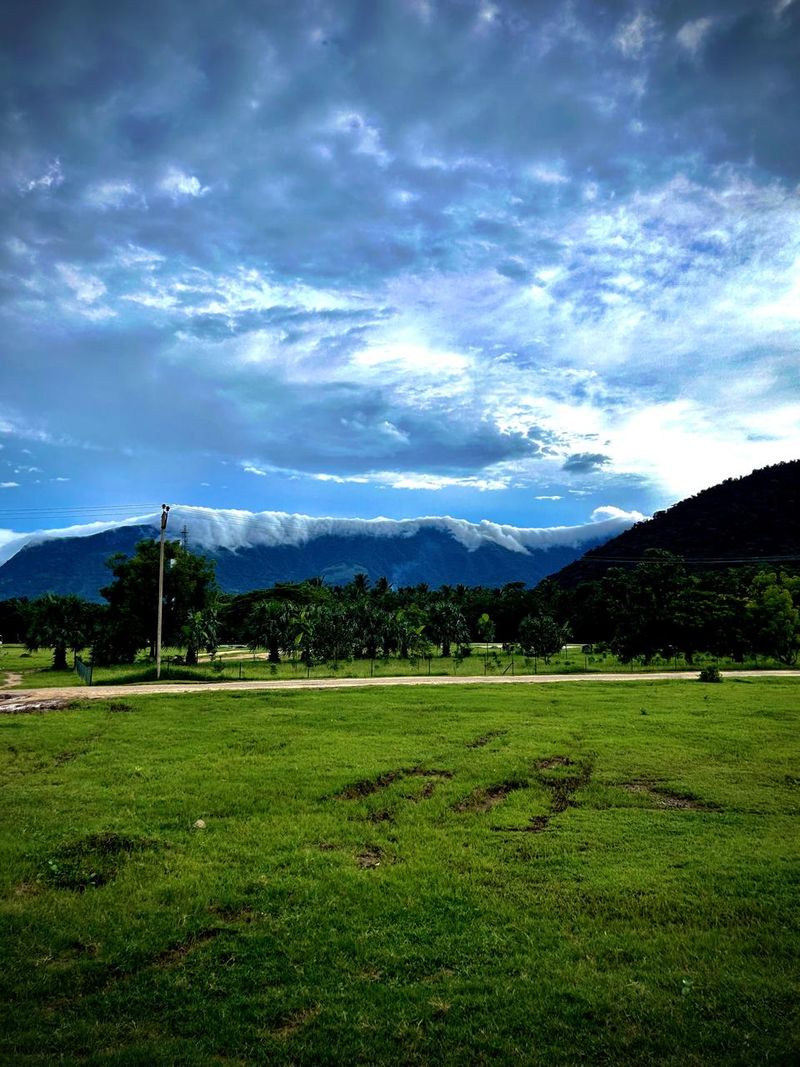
x: 37, y: 671
x: 367, y: 888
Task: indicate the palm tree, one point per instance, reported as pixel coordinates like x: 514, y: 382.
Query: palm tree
x: 58, y: 622
x: 447, y: 625
x: 201, y: 631
x: 271, y: 625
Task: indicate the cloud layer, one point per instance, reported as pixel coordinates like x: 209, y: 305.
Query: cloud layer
x: 210, y: 528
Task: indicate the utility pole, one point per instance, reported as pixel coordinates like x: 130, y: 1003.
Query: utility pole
x: 164, y: 516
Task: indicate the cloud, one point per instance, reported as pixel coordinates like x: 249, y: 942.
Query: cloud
x: 585, y: 462
x: 9, y: 485
x: 177, y: 185
x: 376, y: 252
x: 51, y: 178
x: 692, y: 34
x: 635, y: 34
x: 234, y: 529
x: 86, y: 288
x: 110, y: 195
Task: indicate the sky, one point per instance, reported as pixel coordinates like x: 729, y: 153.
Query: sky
x: 512, y: 261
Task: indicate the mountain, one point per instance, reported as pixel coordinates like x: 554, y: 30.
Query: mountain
x: 252, y: 551
x: 749, y: 520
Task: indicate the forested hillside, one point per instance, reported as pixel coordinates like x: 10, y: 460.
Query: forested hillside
x: 754, y: 519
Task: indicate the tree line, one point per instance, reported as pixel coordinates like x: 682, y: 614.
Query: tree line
x: 656, y: 608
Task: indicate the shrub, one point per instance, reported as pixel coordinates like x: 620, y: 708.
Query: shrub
x: 709, y: 674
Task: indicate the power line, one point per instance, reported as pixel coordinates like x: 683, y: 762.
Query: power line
x: 678, y: 558
x: 78, y: 510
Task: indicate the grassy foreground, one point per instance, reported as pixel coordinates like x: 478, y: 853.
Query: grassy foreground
x: 465, y: 876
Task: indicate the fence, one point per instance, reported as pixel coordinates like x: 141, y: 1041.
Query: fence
x: 83, y: 670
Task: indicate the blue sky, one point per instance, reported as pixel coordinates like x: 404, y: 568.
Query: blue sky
x: 512, y: 261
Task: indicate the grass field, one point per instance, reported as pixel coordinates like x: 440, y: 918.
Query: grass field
x: 468, y: 876
x: 240, y: 665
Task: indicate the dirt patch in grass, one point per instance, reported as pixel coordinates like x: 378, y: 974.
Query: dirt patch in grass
x: 666, y: 798
x: 119, y: 706
x: 427, y: 791
x: 485, y: 799
x: 384, y: 815
x: 484, y: 739
x: 554, y: 761
x: 561, y: 788
x: 92, y: 861
x: 367, y: 786
x: 370, y: 857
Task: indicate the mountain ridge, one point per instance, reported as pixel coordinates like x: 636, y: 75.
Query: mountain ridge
x: 248, y: 554
x: 751, y: 519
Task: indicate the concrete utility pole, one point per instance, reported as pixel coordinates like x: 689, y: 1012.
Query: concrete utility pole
x: 164, y: 516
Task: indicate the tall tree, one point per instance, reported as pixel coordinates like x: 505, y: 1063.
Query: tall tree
x: 774, y: 613
x: 540, y: 635
x: 189, y: 586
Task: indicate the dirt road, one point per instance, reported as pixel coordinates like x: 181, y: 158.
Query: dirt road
x: 31, y: 699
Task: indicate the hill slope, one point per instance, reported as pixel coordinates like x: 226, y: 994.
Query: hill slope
x: 749, y: 519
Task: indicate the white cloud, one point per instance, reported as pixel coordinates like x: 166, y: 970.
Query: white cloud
x: 232, y: 529
x: 548, y: 175
x: 702, y: 449
x: 106, y: 196
x: 692, y: 34
x: 86, y: 287
x: 50, y: 179
x: 364, y: 137
x: 177, y: 184
x: 9, y: 485
x: 160, y: 301
x: 633, y: 36
x: 134, y: 256
x: 412, y: 358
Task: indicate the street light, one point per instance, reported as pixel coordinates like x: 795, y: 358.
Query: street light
x: 164, y: 516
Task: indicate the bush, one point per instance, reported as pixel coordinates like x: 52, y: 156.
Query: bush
x: 709, y: 674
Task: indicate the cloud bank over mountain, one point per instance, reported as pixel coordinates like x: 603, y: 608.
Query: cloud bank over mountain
x: 211, y: 529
